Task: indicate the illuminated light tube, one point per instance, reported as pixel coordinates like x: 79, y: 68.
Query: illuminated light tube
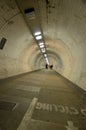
x: 41, y: 46
x: 45, y: 55
x: 38, y: 37
x: 41, y: 43
x: 37, y: 33
x: 47, y: 60
x: 43, y: 50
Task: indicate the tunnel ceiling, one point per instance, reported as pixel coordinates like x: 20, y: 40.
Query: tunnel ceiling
x: 63, y: 23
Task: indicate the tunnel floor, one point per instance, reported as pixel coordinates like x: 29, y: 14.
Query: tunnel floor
x: 41, y: 100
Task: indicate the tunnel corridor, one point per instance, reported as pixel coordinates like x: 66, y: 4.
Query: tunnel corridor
x: 63, y: 27
x: 42, y: 64
x: 41, y: 100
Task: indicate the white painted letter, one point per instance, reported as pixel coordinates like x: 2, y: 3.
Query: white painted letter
x: 38, y: 105
x: 61, y: 108
x: 55, y: 107
x: 73, y: 111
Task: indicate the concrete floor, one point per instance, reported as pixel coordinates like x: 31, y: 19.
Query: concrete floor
x: 41, y: 100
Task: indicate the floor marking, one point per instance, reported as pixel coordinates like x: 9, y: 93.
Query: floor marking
x: 71, y: 126
x: 27, y: 117
x: 63, y: 109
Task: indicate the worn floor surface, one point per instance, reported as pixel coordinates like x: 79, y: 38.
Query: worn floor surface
x: 41, y: 100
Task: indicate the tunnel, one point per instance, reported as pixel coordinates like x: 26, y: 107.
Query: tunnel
x: 42, y: 64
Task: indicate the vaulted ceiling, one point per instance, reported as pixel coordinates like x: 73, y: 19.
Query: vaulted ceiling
x: 63, y: 23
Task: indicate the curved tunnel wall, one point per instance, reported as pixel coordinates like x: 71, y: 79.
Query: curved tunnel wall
x: 65, y: 39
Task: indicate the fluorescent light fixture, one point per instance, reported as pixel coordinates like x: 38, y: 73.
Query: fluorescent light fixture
x: 41, y: 43
x: 41, y: 46
x: 45, y: 55
x: 37, y: 33
x: 47, y: 60
x: 43, y: 50
x: 38, y: 37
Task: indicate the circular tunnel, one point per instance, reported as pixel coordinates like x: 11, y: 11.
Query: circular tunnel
x: 64, y: 28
